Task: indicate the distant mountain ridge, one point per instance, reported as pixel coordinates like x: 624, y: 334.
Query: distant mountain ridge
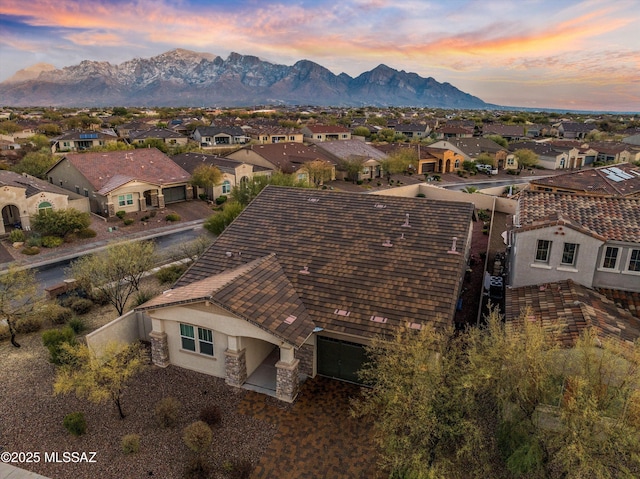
x: 186, y: 78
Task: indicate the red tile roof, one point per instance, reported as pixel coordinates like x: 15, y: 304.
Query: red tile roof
x: 597, y: 180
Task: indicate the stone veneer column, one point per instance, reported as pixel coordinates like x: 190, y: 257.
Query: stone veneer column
x: 159, y: 349
x: 111, y: 209
x: 235, y: 364
x: 190, y: 192
x: 287, y: 382
x: 142, y: 203
x: 160, y: 201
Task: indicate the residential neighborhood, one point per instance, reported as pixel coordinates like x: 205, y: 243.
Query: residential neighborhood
x: 327, y: 232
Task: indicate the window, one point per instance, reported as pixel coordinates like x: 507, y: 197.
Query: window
x: 610, y: 260
x: 44, y: 207
x: 510, y: 161
x: 292, y: 138
x: 125, y: 200
x: 569, y: 254
x: 77, y: 189
x: 457, y: 164
x: 226, y: 187
x: 188, y: 339
x: 542, y: 251
x: 634, y: 260
x: 86, y: 193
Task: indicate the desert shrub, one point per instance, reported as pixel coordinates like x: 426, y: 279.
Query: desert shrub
x: 16, y: 236
x: 142, y: 296
x: 128, y: 221
x: 76, y: 324
x: 60, y: 222
x: 172, y: 217
x: 86, y: 233
x: 121, y: 214
x: 34, y: 240
x: 153, y: 213
x: 167, y: 411
x: 145, y: 218
x: 197, y: 436
x: 359, y: 182
x: 221, y: 199
x: 51, y: 241
x: 202, y: 196
x: 211, y: 415
x: 238, y: 468
x: 484, y: 215
x: 170, y: 274
x: 130, y: 443
x: 56, y: 314
x: 78, y: 305
x: 421, y: 195
x: 75, y: 423
x: 53, y: 339
x: 29, y: 324
x: 31, y: 250
x: 217, y: 223
x: 99, y: 297
x: 197, y: 468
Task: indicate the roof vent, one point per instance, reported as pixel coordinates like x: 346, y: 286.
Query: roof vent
x: 380, y: 206
x: 387, y: 243
x: 342, y: 312
x: 415, y: 325
x: 304, y: 270
x: 406, y: 221
x: 228, y: 254
x: 290, y: 319
x: 378, y: 319
x: 453, y: 246
x: 313, y: 200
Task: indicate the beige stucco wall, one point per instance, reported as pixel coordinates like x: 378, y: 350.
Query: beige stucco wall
x: 620, y: 277
x: 126, y: 329
x: 247, y: 155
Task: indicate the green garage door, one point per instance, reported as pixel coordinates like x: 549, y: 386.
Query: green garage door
x: 174, y: 194
x: 340, y: 359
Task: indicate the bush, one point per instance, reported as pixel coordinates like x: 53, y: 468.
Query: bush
x: 145, y: 218
x: 121, y: 214
x: 217, y: 223
x: 153, y: 213
x: 221, y: 199
x: 60, y: 222
x: 421, y: 195
x: 359, y: 182
x: 75, y: 423
x: 202, y: 196
x: 197, y: 436
x: 211, y: 415
x: 167, y: 411
x: 78, y: 305
x: 53, y: 340
x: 77, y: 325
x: 16, y: 236
x: 34, y: 240
x: 142, y: 296
x: 128, y: 221
x: 170, y: 274
x: 172, y: 217
x: 484, y: 215
x: 51, y: 241
x: 130, y: 443
x: 238, y: 469
x: 31, y: 250
x: 29, y: 324
x: 56, y: 314
x: 86, y: 233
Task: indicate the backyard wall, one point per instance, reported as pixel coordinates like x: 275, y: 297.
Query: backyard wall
x: 131, y: 327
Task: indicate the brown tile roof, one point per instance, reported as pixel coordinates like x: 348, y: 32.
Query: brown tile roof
x: 289, y: 156
x: 32, y: 185
x: 356, y: 266
x: 571, y: 307
x: 610, y: 217
x: 628, y: 300
x: 258, y: 292
x: 322, y: 129
x: 597, y: 180
x: 108, y: 170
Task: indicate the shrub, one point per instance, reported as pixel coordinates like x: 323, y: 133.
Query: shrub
x: 130, y: 443
x: 437, y: 178
x: 359, y: 182
x: 145, y: 218
x: 484, y: 215
x: 202, y: 196
x: 153, y: 213
x: 167, y: 411
x: 211, y: 415
x: 142, y: 296
x: 75, y: 423
x: 16, y: 236
x: 78, y: 305
x: 221, y: 199
x: 172, y: 217
x: 60, y: 222
x: 31, y: 250
x: 217, y: 223
x: 51, y: 241
x: 121, y: 214
x: 86, y: 233
x: 53, y: 340
x: 128, y: 221
x: 56, y: 314
x: 197, y: 468
x: 4, y: 332
x: 238, y: 469
x: 170, y: 274
x: 421, y: 195
x: 77, y: 325
x: 197, y: 436
x: 34, y: 240
x: 29, y: 324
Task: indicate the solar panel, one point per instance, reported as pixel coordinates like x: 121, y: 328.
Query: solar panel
x: 621, y: 173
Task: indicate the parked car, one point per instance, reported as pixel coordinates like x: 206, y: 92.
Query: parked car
x: 487, y: 169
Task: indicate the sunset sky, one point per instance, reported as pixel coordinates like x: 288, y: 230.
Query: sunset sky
x: 566, y: 54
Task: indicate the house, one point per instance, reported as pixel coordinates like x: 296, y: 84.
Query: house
x: 165, y: 135
x: 23, y: 196
x: 290, y: 158
x: 233, y: 172
x: 347, y: 149
x: 276, y: 134
x: 615, y: 152
x: 413, y: 131
x: 129, y: 180
x: 447, y: 132
x: 302, y: 280
x: 469, y: 149
x: 591, y: 239
x: 429, y: 160
x: 82, y: 140
x: 550, y: 156
x: 220, y: 136
x: 508, y: 132
x: 619, y: 180
x: 326, y: 133
x: 574, y: 130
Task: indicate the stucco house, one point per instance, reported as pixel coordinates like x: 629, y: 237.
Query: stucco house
x: 23, y: 196
x: 469, y: 149
x: 82, y: 140
x: 208, y: 136
x: 339, y: 151
x: 165, y: 135
x: 592, y: 240
x: 129, y: 180
x: 302, y: 280
x: 326, y: 132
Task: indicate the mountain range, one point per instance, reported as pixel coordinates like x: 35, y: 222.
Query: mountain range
x: 185, y: 78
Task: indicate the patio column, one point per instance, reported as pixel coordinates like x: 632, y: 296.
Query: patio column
x: 287, y: 381
x: 142, y: 203
x: 235, y: 363
x: 159, y: 348
x: 160, y: 201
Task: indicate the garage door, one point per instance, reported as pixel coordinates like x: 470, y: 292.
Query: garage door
x: 340, y: 359
x: 175, y: 193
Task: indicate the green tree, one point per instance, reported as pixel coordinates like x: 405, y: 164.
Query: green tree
x: 246, y: 191
x: 18, y: 297
x: 526, y: 158
x: 486, y: 159
x: 50, y: 129
x: 362, y: 131
x: 206, y: 176
x: 36, y: 163
x: 352, y: 167
x: 9, y: 126
x: 100, y: 378
x: 60, y: 222
x: 40, y: 142
x: 318, y: 171
x: 218, y: 222
x: 499, y: 140
x: 115, y: 272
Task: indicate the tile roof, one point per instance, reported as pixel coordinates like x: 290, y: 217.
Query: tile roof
x: 289, y: 156
x: 351, y: 252
x: 258, y: 292
x: 32, y: 185
x: 613, y: 218
x: 190, y: 161
x: 571, y: 308
x: 597, y: 180
x: 155, y: 133
x: 108, y: 170
x: 322, y: 129
x: 349, y: 148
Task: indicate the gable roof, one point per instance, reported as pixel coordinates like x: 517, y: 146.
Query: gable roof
x: 605, y: 180
x: 571, y: 308
x: 287, y: 156
x: 109, y: 170
x: 324, y: 129
x: 220, y: 130
x: 613, y: 218
x: 345, y: 149
x: 258, y: 292
x: 190, y: 161
x: 32, y: 185
x: 358, y: 265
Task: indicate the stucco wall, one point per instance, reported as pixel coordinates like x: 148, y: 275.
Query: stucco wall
x: 125, y: 329
x: 620, y: 277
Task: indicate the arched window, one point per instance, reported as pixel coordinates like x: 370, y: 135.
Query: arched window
x: 44, y: 207
x: 457, y: 164
x: 226, y: 187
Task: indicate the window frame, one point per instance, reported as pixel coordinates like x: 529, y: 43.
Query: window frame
x: 125, y: 200
x: 539, y: 249
x: 606, y: 259
x: 636, y: 261
x: 194, y: 339
x: 226, y: 187
x: 190, y: 338
x: 573, y: 254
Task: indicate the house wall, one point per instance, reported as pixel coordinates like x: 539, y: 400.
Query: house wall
x: 65, y: 175
x: 247, y: 155
x: 126, y: 329
x: 619, y: 277
x: 525, y: 270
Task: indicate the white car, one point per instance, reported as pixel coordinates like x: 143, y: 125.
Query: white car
x: 486, y: 169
